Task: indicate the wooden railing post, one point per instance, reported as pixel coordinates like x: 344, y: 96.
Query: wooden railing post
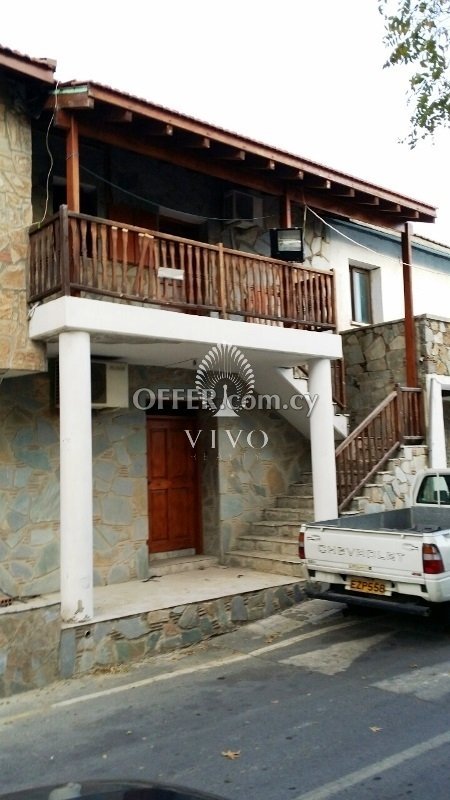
x: 222, y: 283
x: 64, y: 249
x: 400, y: 414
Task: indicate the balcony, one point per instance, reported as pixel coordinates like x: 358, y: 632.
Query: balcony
x: 75, y: 254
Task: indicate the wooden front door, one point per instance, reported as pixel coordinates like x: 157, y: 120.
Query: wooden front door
x: 173, y: 491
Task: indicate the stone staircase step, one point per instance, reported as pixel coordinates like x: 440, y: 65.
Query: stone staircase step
x: 269, y: 544
x: 294, y: 501
x: 269, y: 527
x: 266, y: 562
x: 300, y: 490
x: 286, y: 514
x: 171, y: 565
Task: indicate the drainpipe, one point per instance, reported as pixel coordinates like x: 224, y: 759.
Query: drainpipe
x: 410, y: 330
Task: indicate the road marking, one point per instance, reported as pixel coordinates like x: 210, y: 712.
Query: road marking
x: 428, y: 683
x: 337, y: 657
x: 218, y: 662
x: 347, y: 781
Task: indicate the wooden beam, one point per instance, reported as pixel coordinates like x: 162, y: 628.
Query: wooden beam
x: 62, y: 119
x: 155, y: 128
x: 77, y: 99
x: 227, y: 153
x: 343, y: 191
x: 289, y: 173
x: 393, y: 208
x: 316, y: 182
x: 286, y: 216
x: 367, y: 200
x: 410, y: 328
x: 193, y: 140
x: 73, y: 167
x: 118, y: 115
x: 256, y: 162
x: 259, y: 181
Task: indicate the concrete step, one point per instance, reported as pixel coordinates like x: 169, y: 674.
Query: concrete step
x: 269, y: 544
x: 269, y: 527
x: 265, y: 562
x: 170, y: 565
x: 294, y: 501
x: 285, y: 514
x: 300, y: 490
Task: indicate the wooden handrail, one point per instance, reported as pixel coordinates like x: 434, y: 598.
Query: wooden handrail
x: 98, y: 257
x: 397, y: 420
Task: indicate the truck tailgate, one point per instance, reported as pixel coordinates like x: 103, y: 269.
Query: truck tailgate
x: 390, y: 554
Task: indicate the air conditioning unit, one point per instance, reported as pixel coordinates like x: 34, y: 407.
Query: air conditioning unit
x: 109, y: 384
x: 241, y: 206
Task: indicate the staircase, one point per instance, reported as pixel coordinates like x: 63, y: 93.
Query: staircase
x: 271, y: 545
x: 396, y: 421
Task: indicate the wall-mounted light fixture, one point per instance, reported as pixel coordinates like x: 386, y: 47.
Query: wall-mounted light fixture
x: 286, y: 244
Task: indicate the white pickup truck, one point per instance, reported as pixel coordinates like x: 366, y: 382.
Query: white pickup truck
x: 392, y: 559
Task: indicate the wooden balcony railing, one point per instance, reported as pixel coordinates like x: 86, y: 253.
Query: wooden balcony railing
x: 75, y: 254
x: 397, y: 420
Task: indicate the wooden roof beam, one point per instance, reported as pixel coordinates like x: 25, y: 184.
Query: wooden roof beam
x: 367, y: 199
x: 118, y: 115
x: 392, y: 208
x: 289, y: 173
x: 193, y: 140
x: 227, y: 153
x: 70, y: 98
x: 256, y: 162
x: 316, y: 182
x: 343, y: 191
x: 156, y: 128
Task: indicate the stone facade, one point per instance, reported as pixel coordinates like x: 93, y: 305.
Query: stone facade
x: 374, y: 358
x: 394, y: 482
x: 17, y: 352
x: 29, y: 647
x: 36, y: 650
x: 236, y: 482
x: 107, y: 644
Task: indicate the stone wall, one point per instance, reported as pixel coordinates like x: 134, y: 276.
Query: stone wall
x: 393, y: 484
x: 236, y: 482
x: 29, y: 491
x: 375, y: 360
x: 29, y: 649
x: 251, y: 476
x: 17, y: 352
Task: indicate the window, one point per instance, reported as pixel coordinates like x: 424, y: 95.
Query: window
x: 360, y: 281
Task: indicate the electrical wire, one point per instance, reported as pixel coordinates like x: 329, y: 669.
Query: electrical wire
x: 157, y: 205
x: 50, y: 154
x: 397, y: 261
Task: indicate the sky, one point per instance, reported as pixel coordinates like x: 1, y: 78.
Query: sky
x: 305, y: 76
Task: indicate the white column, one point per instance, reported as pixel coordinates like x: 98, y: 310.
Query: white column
x: 436, y: 425
x: 76, y: 476
x: 322, y: 440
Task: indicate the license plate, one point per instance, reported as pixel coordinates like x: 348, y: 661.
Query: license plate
x: 368, y: 586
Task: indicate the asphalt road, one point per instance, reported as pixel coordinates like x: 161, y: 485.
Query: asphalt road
x: 308, y: 705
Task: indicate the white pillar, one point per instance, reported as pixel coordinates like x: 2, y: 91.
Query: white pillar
x: 322, y: 440
x: 436, y: 425
x: 76, y: 476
